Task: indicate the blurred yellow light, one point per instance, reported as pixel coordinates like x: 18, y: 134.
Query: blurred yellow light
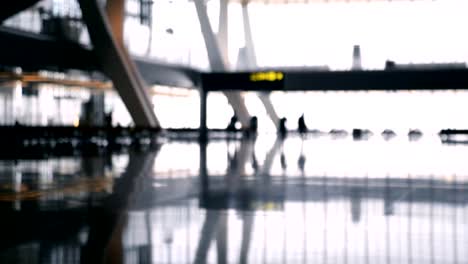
x: 270, y: 76
x: 76, y: 122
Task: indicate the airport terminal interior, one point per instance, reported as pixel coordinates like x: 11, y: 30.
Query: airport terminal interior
x: 233, y: 131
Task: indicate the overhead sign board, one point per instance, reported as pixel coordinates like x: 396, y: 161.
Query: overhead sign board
x: 245, y: 81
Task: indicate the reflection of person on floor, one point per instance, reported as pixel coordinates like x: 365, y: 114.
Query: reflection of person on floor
x: 283, y: 161
x: 301, y: 162
x: 254, y: 163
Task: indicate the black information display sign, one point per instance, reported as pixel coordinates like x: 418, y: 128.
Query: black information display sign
x: 255, y: 81
x: 373, y: 80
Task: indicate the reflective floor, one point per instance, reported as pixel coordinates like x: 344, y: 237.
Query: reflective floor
x: 318, y: 200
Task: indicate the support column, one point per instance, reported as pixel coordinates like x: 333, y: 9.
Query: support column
x: 252, y: 64
x: 203, y: 106
x: 223, y: 30
x: 115, y: 10
x: 270, y: 109
x: 115, y: 61
x: 217, y: 63
x: 249, y: 46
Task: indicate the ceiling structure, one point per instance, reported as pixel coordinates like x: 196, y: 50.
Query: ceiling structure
x: 316, y: 1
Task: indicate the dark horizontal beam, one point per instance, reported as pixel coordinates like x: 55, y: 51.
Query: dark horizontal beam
x: 159, y: 73
x: 12, y: 8
x: 381, y: 80
x: 33, y: 52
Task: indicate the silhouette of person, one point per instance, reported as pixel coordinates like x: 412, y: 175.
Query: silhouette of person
x: 232, y: 124
x: 282, y: 131
x: 301, y: 125
x: 108, y: 119
x: 253, y: 125
x: 390, y: 65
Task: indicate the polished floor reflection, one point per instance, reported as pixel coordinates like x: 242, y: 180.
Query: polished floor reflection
x: 318, y: 200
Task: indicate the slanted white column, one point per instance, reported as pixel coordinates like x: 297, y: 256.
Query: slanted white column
x: 251, y: 61
x: 115, y: 60
x: 223, y: 31
x: 217, y: 63
x: 249, y: 46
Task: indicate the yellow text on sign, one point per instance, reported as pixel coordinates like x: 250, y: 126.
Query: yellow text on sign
x: 270, y: 76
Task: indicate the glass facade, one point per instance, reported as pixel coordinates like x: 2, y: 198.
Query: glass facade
x: 313, y: 34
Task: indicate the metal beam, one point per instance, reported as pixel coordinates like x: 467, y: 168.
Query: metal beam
x: 51, y: 53
x: 33, y: 52
x: 217, y: 63
x: 117, y: 64
x: 115, y: 11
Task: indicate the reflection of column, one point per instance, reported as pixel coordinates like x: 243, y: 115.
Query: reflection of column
x: 208, y: 231
x: 108, y: 222
x: 221, y: 238
x: 245, y: 150
x: 431, y: 220
x: 454, y: 221
x: 204, y: 181
x: 301, y: 164
x: 236, y: 172
x: 366, y: 219
x: 388, y: 256
x: 149, y: 235
x: 355, y: 204
x: 325, y: 219
x: 410, y: 218
x: 388, y: 202
x: 346, y: 223
x: 247, y: 228
x: 267, y: 163
x: 17, y: 186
